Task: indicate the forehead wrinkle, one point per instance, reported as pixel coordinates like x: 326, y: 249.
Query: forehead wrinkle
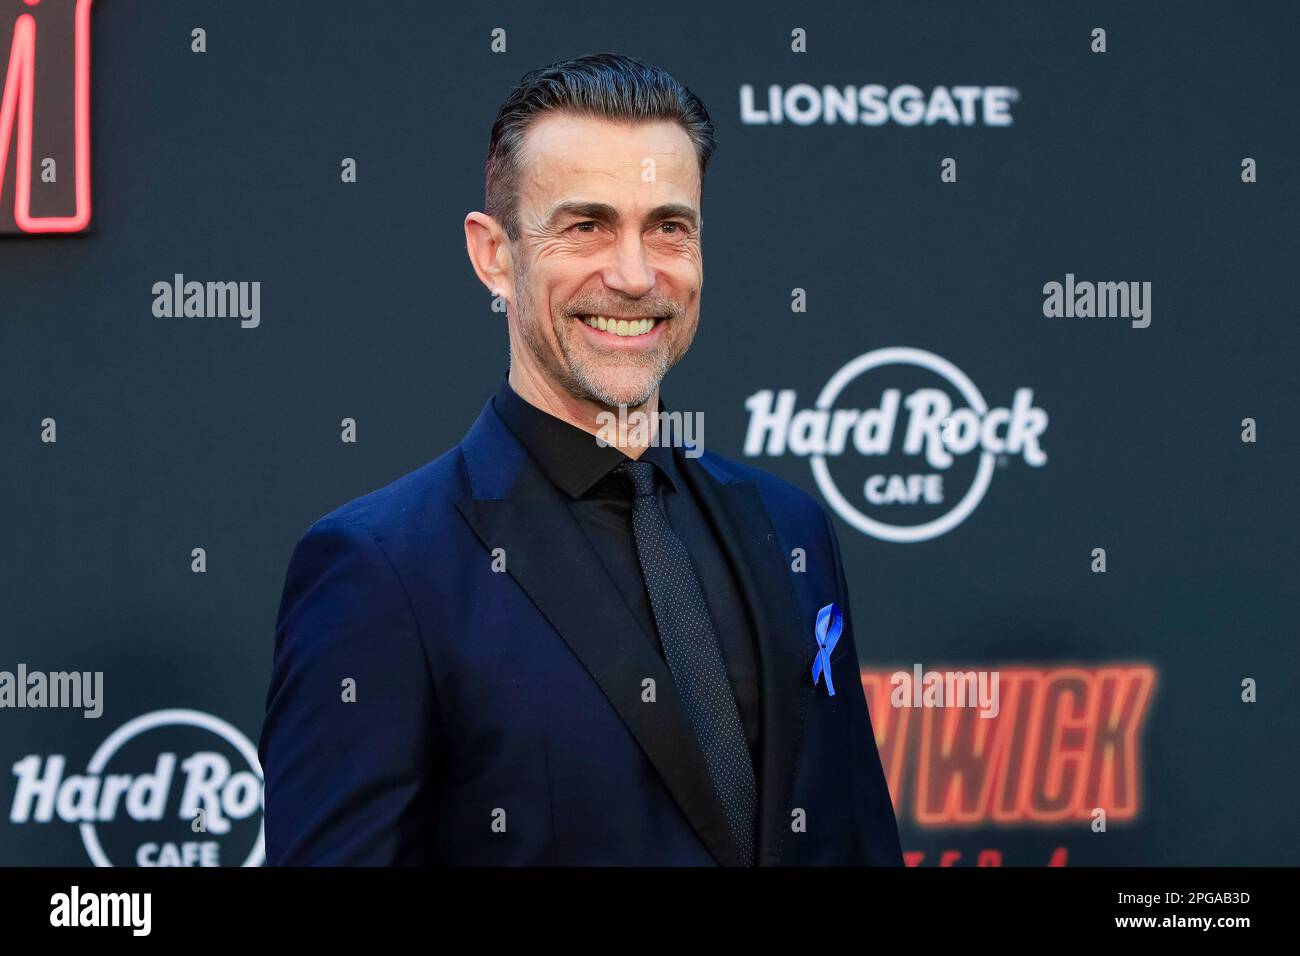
x: 544, y: 168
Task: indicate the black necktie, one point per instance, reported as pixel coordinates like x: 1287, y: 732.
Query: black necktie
x: 694, y: 656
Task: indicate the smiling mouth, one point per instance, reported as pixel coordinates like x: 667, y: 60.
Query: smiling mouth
x: 627, y: 328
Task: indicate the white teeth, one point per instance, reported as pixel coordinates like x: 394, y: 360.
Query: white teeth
x: 620, y: 326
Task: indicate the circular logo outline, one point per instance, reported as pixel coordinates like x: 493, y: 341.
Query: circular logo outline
x: 903, y: 355
x: 163, y: 718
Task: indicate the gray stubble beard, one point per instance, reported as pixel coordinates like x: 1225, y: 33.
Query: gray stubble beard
x: 575, y: 377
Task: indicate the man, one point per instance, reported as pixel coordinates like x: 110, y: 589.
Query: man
x: 561, y: 643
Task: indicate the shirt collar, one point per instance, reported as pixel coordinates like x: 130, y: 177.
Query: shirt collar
x: 571, y: 458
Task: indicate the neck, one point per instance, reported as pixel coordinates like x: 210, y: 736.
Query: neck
x: 538, y: 390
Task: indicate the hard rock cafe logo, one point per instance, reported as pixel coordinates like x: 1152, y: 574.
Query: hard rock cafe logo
x: 925, y: 434
x: 169, y: 788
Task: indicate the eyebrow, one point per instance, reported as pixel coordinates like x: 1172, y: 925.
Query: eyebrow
x: 605, y: 213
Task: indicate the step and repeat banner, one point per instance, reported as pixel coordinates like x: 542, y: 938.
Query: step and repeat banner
x: 1008, y: 288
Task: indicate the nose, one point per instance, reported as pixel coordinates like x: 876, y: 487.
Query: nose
x: 630, y: 272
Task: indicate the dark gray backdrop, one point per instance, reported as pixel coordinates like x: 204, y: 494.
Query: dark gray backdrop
x: 183, y: 433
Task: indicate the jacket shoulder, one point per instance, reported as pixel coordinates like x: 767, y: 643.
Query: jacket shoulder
x: 782, y: 498
x: 415, y: 506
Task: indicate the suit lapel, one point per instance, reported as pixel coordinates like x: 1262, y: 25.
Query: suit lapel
x: 785, y: 645
x: 513, y: 506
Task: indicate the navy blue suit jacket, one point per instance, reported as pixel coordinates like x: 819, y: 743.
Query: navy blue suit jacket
x: 499, y: 716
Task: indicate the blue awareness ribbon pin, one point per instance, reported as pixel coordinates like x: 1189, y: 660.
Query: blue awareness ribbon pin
x: 830, y: 622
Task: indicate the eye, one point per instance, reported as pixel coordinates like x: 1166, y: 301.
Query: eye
x: 582, y: 226
x: 673, y: 228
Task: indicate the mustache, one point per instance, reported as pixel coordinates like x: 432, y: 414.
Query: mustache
x: 644, y: 309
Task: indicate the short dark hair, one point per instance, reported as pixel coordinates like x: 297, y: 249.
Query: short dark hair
x: 603, y: 85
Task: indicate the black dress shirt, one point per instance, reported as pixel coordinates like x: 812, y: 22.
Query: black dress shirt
x: 601, y: 501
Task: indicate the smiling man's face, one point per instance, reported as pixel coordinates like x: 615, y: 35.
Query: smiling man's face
x: 607, y: 270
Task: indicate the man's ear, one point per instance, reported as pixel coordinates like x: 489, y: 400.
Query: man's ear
x: 489, y: 254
